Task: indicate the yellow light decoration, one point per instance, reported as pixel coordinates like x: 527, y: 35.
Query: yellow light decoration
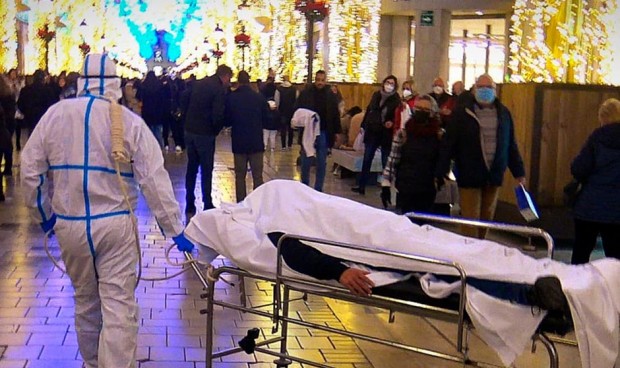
x: 277, y: 31
x: 560, y: 40
x: 354, y: 40
x: 8, y: 35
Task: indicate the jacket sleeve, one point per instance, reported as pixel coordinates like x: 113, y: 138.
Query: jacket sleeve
x: 515, y: 162
x: 34, y: 167
x: 149, y: 171
x: 218, y: 109
x: 583, y: 165
x: 447, y: 149
x: 335, y: 113
x: 308, y: 260
x: 371, y: 105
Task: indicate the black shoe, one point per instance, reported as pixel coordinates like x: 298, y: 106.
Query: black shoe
x: 548, y: 295
x: 359, y: 190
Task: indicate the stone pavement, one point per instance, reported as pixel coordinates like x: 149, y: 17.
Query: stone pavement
x: 36, y: 307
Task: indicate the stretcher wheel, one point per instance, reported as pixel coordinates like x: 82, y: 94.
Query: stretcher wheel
x: 282, y: 363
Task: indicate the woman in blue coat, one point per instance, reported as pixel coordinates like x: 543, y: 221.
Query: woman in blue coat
x: 597, y: 168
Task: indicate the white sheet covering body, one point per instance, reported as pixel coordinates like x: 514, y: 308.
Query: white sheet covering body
x: 238, y: 232
x: 311, y: 122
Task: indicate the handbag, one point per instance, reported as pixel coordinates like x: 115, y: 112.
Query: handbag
x: 571, y: 192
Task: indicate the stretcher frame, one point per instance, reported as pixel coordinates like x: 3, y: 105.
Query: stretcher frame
x: 284, y: 285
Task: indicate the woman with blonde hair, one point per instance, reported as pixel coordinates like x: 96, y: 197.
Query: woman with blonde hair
x: 597, y: 168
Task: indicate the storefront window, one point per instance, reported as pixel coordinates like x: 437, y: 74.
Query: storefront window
x: 477, y: 46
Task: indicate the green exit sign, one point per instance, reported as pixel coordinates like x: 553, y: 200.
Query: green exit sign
x: 427, y: 18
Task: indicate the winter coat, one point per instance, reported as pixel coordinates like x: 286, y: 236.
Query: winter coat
x: 462, y: 144
x: 384, y: 135
x: 205, y: 110
x: 323, y: 102
x: 34, y: 100
x: 154, y: 104
x: 5, y: 137
x: 275, y: 120
x: 597, y: 167
x: 247, y: 112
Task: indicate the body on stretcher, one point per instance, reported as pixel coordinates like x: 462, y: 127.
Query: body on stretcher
x: 240, y: 233
x: 405, y: 297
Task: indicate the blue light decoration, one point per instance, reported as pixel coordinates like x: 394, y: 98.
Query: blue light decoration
x: 145, y: 32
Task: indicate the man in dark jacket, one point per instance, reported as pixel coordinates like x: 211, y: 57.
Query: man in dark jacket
x: 481, y: 141
x: 203, y: 122
x: 246, y: 113
x: 321, y: 100
x: 35, y: 99
x: 285, y: 97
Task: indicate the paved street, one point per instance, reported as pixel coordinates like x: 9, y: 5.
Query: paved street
x: 36, y: 307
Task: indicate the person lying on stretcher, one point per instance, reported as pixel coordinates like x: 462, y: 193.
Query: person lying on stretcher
x: 546, y: 293
x: 241, y: 233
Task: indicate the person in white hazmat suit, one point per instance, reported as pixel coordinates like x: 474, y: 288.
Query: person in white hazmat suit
x: 87, y: 211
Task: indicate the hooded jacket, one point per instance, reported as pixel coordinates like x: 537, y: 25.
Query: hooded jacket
x: 597, y: 167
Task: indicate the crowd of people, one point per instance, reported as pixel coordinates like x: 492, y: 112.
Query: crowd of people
x: 423, y: 139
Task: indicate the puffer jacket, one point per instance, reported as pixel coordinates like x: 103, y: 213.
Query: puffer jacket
x: 597, y: 167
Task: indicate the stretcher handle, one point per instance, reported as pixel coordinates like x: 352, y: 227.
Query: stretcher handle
x: 511, y: 228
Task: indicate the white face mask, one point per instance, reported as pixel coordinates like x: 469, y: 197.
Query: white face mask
x: 389, y: 88
x: 438, y: 90
x: 407, y: 93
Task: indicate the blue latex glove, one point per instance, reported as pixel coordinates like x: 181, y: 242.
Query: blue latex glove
x: 48, y: 225
x: 183, y: 244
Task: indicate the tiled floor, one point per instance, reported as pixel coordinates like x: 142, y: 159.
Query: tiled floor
x: 36, y: 307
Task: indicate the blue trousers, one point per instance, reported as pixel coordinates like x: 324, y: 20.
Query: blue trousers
x: 156, y: 129
x: 370, y: 149
x: 321, y: 162
x: 200, y: 154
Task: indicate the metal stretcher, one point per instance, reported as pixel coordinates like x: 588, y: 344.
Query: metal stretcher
x: 450, y: 309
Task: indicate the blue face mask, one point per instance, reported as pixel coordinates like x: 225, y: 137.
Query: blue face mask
x: 485, y: 95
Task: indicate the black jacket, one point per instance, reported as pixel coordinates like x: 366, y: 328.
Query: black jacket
x: 323, y: 102
x: 5, y: 137
x: 597, y: 167
x: 205, y: 112
x: 34, y: 100
x: 462, y: 144
x: 247, y: 112
x: 288, y: 95
x: 389, y: 108
x: 154, y: 104
x: 418, y: 158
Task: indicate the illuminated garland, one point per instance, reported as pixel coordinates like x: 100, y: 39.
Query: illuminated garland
x: 354, y: 42
x: 8, y: 35
x: 559, y: 40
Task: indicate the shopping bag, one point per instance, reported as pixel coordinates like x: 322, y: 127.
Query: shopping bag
x: 358, y: 144
x: 525, y: 204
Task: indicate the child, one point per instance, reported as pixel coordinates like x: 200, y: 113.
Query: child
x: 270, y: 129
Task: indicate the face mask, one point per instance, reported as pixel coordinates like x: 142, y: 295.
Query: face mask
x: 389, y: 88
x: 485, y: 95
x: 438, y: 90
x: 421, y: 117
x: 407, y: 93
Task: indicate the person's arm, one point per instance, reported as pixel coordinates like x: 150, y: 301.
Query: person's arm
x: 515, y: 162
x: 447, y: 148
x: 34, y: 183
x: 217, y: 109
x: 310, y: 261
x: 276, y: 98
x: 154, y: 181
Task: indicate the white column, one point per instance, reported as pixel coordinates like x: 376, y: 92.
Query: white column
x: 431, y: 50
x: 384, y: 62
x: 401, y: 47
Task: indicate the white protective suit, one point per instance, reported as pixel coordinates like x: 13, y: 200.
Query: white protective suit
x: 96, y: 236
x: 239, y: 233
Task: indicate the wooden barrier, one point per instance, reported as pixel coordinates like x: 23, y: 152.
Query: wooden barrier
x: 552, y: 122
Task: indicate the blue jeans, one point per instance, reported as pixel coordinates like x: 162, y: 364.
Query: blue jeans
x: 370, y: 149
x: 200, y: 153
x: 157, y: 131
x: 321, y: 162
